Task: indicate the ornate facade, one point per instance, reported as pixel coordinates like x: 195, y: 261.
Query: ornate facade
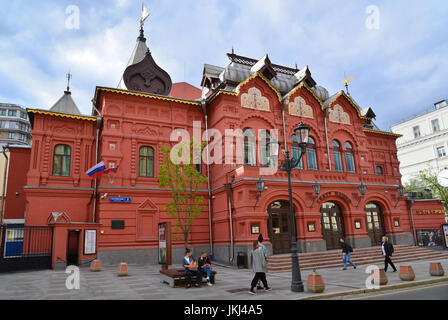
x: 345, y: 186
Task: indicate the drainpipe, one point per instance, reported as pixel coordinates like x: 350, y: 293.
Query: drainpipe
x: 4, y: 184
x: 95, y: 187
x: 326, y: 139
x: 208, y: 179
x: 411, y: 203
x: 284, y: 127
x: 228, y: 187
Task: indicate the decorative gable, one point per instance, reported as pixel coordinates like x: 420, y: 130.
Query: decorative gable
x: 254, y: 100
x: 148, y: 204
x: 299, y: 108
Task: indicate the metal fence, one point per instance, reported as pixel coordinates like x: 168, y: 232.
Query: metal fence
x: 25, y: 247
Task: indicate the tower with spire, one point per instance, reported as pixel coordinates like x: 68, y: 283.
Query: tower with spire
x: 66, y: 104
x: 142, y: 73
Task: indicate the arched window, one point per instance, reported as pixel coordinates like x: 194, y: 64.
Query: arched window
x: 265, y: 152
x: 146, y: 165
x: 349, y: 159
x: 250, y: 158
x: 61, y: 160
x: 379, y: 170
x: 311, y: 158
x: 296, y: 151
x: 337, y: 156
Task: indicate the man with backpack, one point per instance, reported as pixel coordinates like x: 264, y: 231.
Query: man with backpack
x: 387, y: 249
x: 346, y: 249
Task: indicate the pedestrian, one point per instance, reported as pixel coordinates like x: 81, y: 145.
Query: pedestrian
x: 191, y: 268
x: 204, y: 266
x: 346, y: 249
x: 265, y: 252
x: 259, y: 267
x: 387, y: 249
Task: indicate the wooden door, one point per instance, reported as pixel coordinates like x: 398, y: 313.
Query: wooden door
x: 332, y: 225
x: 279, y: 228
x: 374, y: 223
x: 72, y: 248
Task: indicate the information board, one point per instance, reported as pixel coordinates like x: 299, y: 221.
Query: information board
x: 89, y: 241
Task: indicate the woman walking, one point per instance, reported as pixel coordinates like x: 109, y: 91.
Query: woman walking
x: 346, y: 249
x: 259, y: 267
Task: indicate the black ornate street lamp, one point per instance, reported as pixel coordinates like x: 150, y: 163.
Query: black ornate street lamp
x: 260, y: 187
x: 302, y: 134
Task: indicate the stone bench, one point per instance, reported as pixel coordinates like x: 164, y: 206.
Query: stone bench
x: 178, y: 277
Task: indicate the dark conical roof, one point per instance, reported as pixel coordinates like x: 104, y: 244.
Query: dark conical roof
x: 66, y: 105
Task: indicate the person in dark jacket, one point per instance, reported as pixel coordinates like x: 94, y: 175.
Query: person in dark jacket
x: 204, y: 266
x: 346, y: 249
x: 387, y: 249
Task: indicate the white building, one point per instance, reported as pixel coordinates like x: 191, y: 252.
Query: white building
x: 424, y: 143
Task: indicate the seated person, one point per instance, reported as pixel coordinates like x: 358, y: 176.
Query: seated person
x: 204, y: 266
x: 190, y: 268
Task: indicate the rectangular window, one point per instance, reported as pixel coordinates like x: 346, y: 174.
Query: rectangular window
x: 435, y: 125
x: 349, y: 162
x: 296, y: 155
x: 2, y: 124
x: 416, y: 130
x: 2, y: 112
x: 311, y: 159
x: 13, y: 125
x: 12, y: 113
x: 441, y: 152
x: 337, y: 161
x: 22, y: 115
x: 11, y: 135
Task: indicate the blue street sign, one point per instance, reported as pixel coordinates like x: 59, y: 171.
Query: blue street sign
x: 120, y: 199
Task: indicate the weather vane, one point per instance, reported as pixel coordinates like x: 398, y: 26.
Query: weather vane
x: 346, y: 81
x: 145, y: 14
x: 69, y: 76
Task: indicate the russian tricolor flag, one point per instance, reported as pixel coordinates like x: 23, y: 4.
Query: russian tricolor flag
x: 97, y: 170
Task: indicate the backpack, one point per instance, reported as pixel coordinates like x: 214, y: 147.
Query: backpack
x: 350, y: 248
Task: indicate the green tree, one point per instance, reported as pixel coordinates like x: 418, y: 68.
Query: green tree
x: 179, y: 174
x: 428, y: 179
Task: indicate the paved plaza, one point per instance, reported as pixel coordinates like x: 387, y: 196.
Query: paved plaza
x: 144, y: 283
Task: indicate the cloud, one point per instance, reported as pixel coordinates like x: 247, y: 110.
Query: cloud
x: 406, y: 55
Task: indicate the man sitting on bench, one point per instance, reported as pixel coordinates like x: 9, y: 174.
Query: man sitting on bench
x: 191, y: 268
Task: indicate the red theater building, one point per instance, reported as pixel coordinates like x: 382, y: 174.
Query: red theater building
x: 346, y: 184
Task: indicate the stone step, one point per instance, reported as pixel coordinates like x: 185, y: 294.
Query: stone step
x: 365, y: 256
x: 378, y: 262
x: 338, y: 262
x: 355, y: 252
x: 322, y: 258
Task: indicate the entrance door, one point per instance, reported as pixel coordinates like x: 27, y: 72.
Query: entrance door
x: 375, y: 225
x: 279, y: 228
x: 332, y: 225
x: 72, y: 247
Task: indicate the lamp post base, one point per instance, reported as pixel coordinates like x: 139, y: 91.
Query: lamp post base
x: 297, y: 287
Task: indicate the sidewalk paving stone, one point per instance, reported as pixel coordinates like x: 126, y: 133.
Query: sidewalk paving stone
x: 143, y: 282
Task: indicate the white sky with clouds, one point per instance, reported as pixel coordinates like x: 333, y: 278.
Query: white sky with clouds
x: 400, y: 69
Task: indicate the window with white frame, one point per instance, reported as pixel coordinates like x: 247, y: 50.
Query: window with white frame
x: 435, y: 125
x: 416, y: 130
x: 441, y: 152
